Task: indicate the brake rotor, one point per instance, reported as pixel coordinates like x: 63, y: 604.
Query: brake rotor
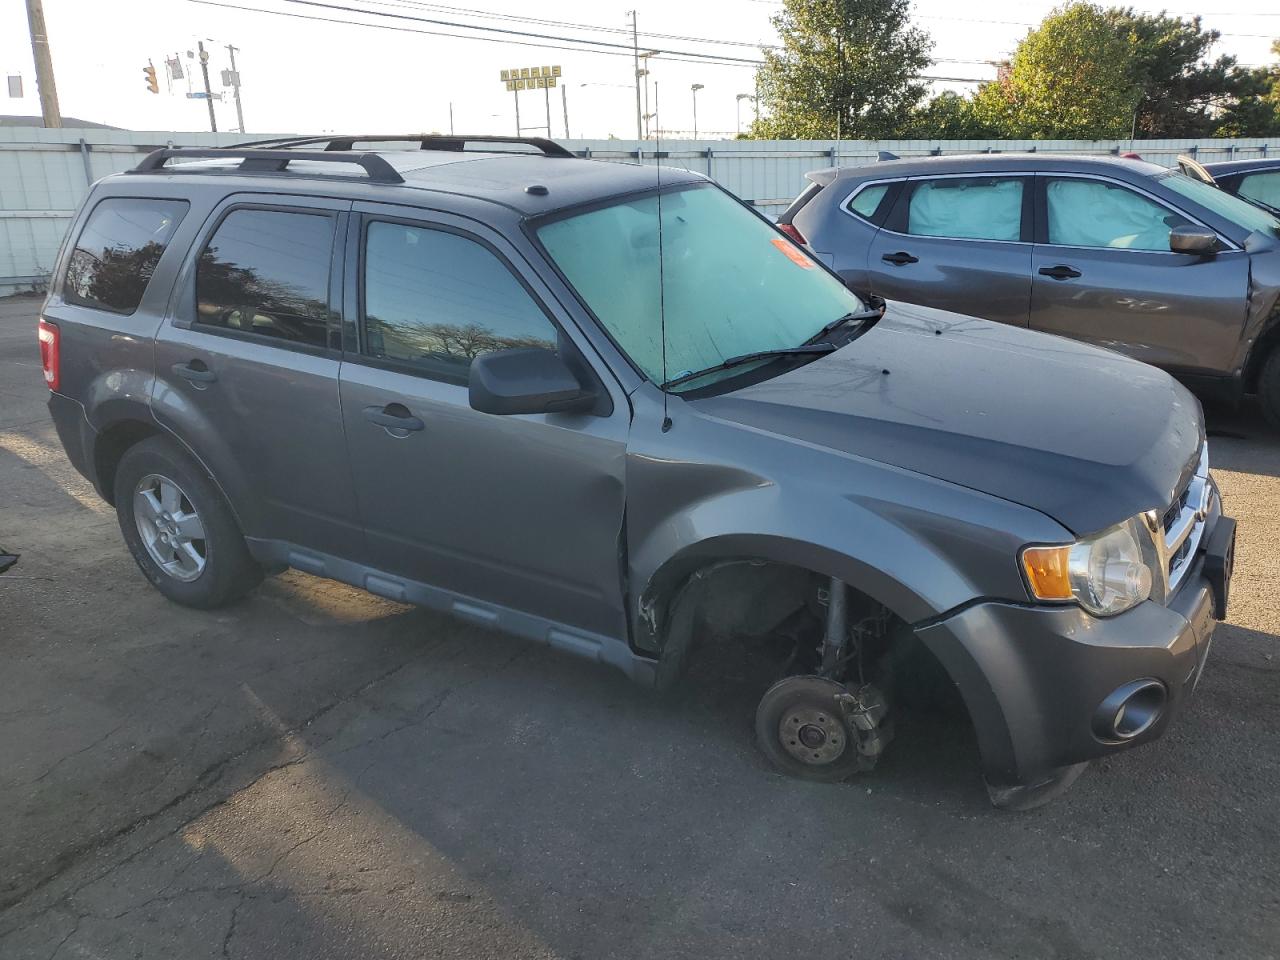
x: 812, y: 735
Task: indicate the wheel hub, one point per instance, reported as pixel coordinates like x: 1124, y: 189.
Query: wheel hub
x: 170, y: 528
x: 812, y: 735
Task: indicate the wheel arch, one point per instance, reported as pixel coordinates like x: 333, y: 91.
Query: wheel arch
x: 123, y: 424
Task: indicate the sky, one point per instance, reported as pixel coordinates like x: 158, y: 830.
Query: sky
x: 335, y: 74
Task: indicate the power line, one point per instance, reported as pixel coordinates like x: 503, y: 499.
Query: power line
x: 707, y: 59
x: 582, y: 45
x: 622, y: 31
x: 504, y: 30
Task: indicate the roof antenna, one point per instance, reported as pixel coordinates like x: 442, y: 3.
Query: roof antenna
x: 662, y: 289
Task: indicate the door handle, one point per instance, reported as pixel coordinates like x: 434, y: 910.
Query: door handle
x: 1060, y: 272
x: 394, y: 416
x: 899, y: 259
x: 195, y: 371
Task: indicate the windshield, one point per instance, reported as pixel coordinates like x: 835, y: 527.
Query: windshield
x: 1240, y: 212
x: 731, y: 284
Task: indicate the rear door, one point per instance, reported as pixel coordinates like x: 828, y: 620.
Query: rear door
x: 521, y: 511
x: 1104, y: 273
x: 247, y: 368
x: 960, y: 243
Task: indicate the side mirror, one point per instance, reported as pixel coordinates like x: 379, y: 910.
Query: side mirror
x: 1195, y: 240
x: 525, y: 380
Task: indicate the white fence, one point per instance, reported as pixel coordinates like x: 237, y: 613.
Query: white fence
x: 44, y: 174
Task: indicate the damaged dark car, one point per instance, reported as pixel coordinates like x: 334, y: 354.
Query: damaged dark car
x: 613, y: 410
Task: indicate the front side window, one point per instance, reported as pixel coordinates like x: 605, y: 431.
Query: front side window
x: 1093, y: 213
x: 729, y: 284
x: 1263, y: 187
x: 117, y: 252
x: 969, y: 208
x: 1240, y: 212
x: 438, y: 300
x: 266, y: 272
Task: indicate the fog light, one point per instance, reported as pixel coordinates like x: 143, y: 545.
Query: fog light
x: 1130, y: 710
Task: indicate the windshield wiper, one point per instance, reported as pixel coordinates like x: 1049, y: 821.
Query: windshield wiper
x: 804, y: 348
x: 860, y: 316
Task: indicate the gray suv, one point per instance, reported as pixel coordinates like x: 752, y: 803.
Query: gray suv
x: 614, y: 410
x: 1116, y: 252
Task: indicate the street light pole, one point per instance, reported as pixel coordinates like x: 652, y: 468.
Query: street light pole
x: 746, y: 96
x: 635, y: 55
x: 695, y: 88
x: 208, y: 93
x: 235, y: 85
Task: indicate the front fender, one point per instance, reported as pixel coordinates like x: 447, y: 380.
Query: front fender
x: 917, y: 545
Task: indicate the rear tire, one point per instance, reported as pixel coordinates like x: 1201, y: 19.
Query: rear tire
x: 1269, y: 388
x: 179, y: 529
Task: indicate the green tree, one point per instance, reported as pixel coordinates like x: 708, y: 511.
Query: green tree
x: 845, y: 67
x: 948, y: 116
x: 1072, y: 77
x: 1254, y: 109
x: 1178, y: 87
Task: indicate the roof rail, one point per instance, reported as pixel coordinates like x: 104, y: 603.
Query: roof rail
x: 425, y: 141
x: 269, y: 161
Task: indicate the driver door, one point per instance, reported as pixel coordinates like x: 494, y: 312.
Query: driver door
x: 510, y: 515
x: 1102, y: 272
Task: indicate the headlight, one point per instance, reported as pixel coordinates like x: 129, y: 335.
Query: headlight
x: 1106, y: 573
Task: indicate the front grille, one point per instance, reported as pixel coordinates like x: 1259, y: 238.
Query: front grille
x: 1183, y: 523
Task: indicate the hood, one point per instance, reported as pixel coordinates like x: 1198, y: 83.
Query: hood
x: 1084, y: 435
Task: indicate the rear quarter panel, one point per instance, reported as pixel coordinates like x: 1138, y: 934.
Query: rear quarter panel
x: 107, y: 361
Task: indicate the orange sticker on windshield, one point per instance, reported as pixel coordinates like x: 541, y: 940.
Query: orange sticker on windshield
x: 794, y: 255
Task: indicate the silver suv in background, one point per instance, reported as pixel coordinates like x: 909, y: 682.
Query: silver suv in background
x: 1116, y: 252
x: 614, y: 410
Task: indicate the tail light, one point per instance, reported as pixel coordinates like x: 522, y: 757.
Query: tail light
x: 50, y: 353
x: 792, y: 232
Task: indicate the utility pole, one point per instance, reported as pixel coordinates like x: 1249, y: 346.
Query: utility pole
x: 44, y: 65
x: 451, y: 118
x: 564, y: 104
x: 516, y: 94
x: 635, y: 52
x: 546, y: 91
x: 235, y: 86
x: 208, y: 93
x: 695, y: 88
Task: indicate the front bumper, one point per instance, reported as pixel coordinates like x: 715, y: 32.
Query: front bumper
x: 1033, y: 677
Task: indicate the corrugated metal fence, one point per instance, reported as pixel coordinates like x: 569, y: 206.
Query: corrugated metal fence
x: 44, y: 174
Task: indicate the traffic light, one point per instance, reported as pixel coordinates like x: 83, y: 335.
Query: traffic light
x: 150, y: 73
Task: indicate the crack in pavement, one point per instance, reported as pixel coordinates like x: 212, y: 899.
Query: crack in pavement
x: 85, y: 749
x: 204, y: 781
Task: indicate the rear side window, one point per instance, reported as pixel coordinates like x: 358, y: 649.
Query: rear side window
x: 1263, y: 187
x: 973, y: 208
x: 266, y: 272
x: 868, y: 200
x: 117, y: 252
x: 438, y: 300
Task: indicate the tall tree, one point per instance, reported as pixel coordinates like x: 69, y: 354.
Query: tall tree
x: 1179, y: 87
x: 1072, y: 77
x: 846, y: 67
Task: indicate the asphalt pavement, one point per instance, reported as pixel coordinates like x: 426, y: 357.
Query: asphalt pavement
x: 320, y: 773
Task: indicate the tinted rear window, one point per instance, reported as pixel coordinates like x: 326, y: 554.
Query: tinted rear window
x: 117, y: 252
x: 266, y: 272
